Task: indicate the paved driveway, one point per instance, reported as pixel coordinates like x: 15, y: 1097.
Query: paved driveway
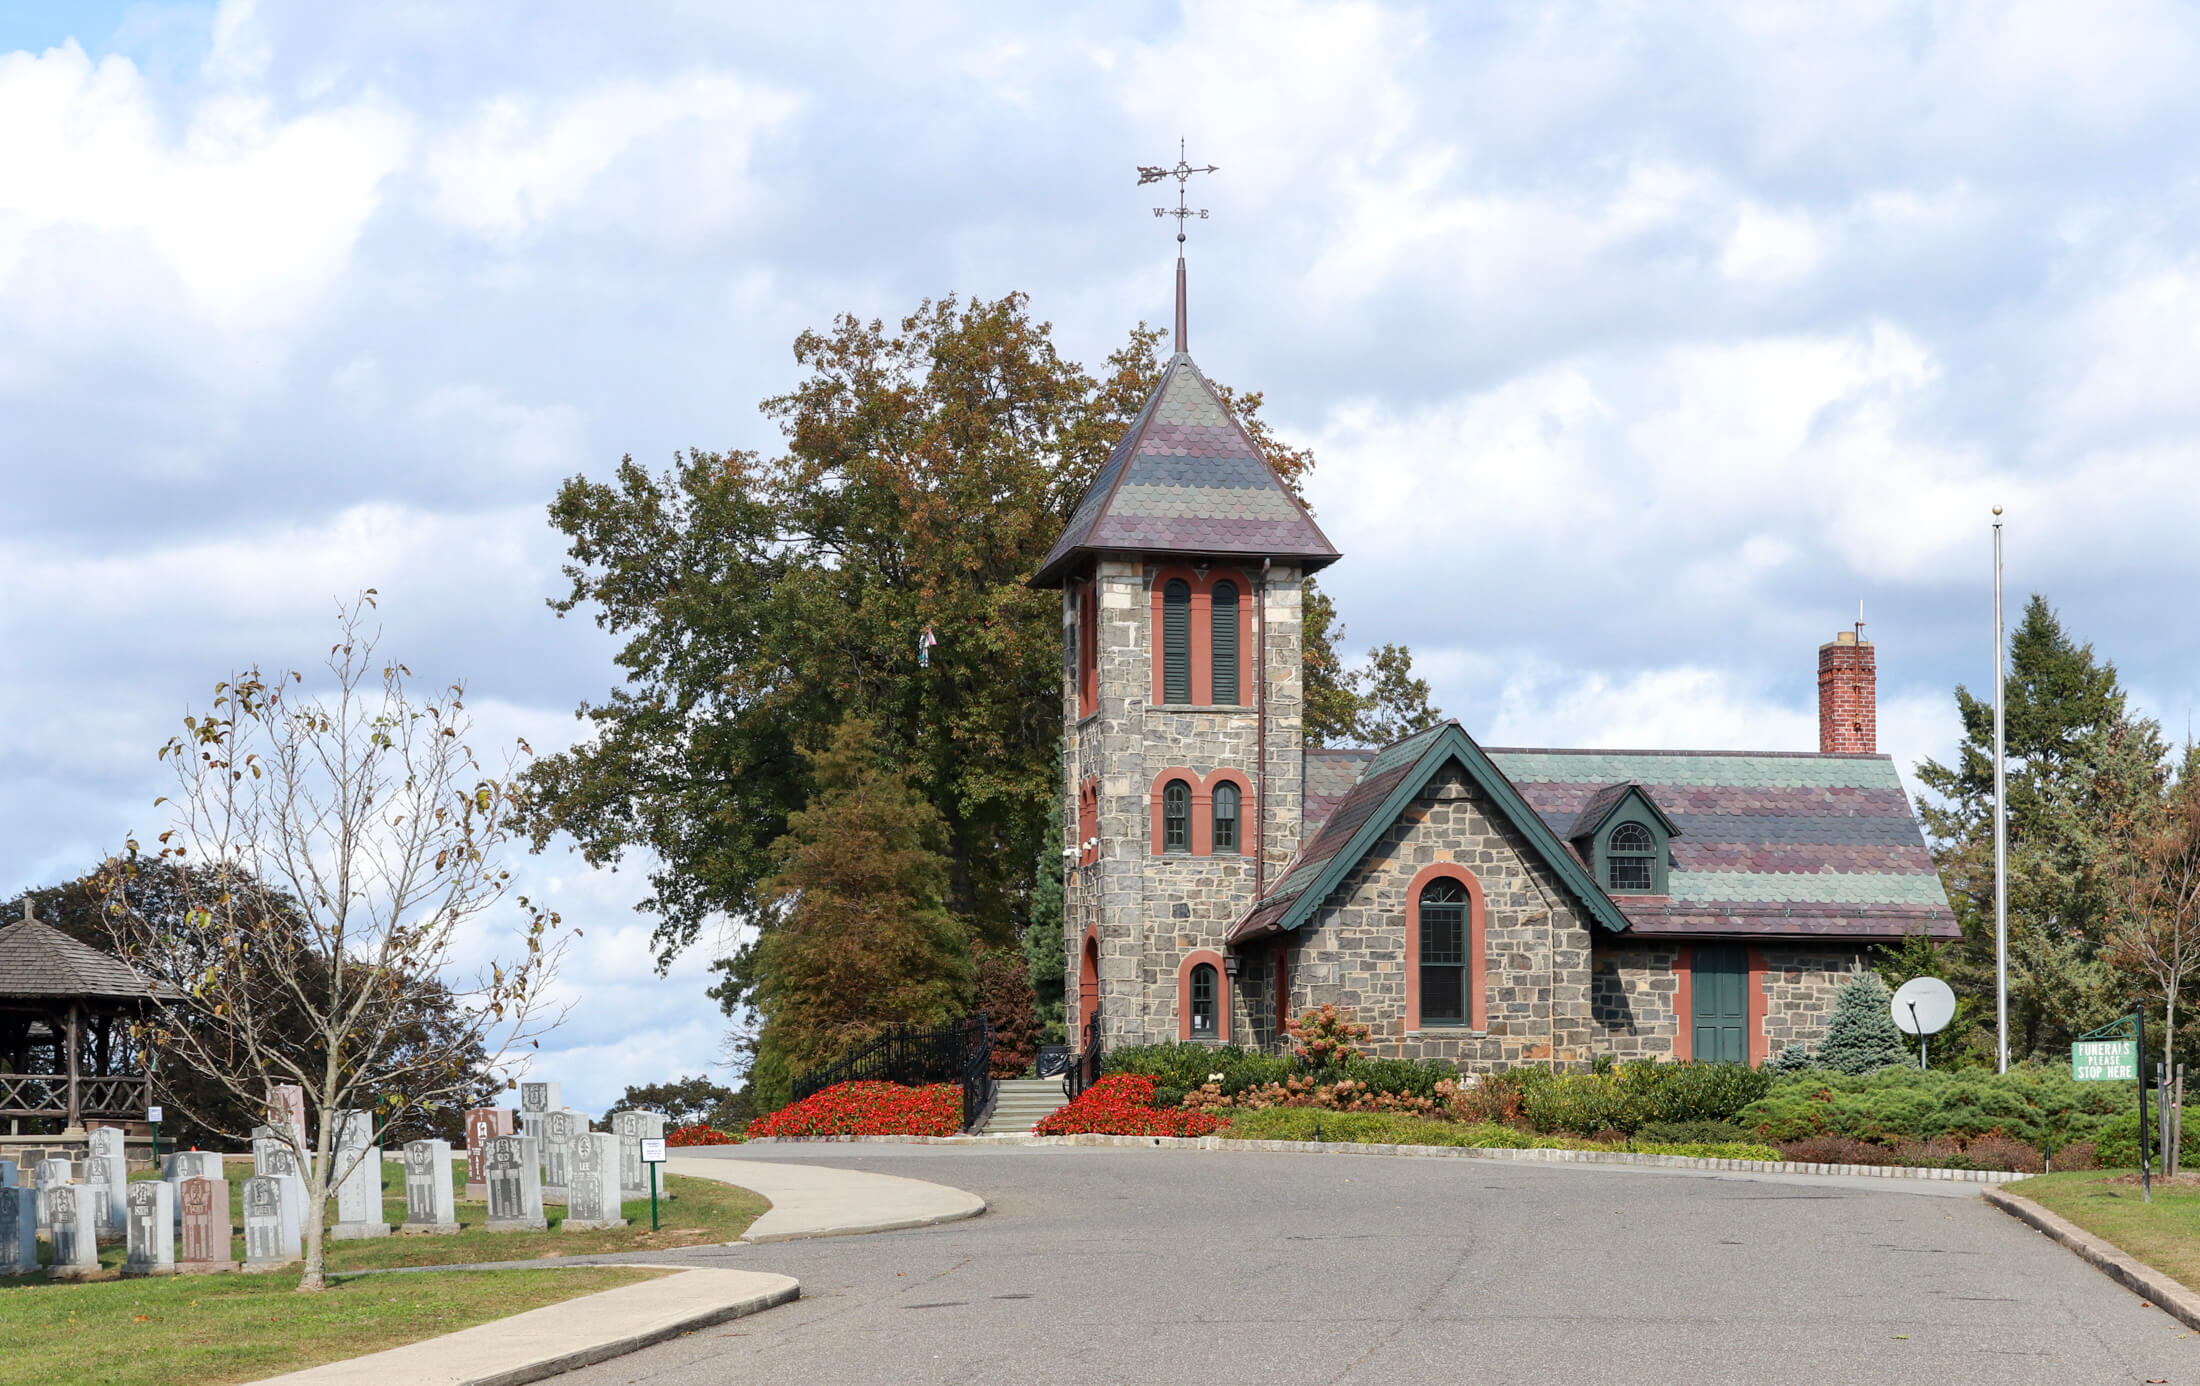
x: 1188, y: 1266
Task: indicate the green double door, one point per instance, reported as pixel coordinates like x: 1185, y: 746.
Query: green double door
x: 1719, y: 988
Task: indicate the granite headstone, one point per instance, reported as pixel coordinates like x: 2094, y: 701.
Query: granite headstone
x: 149, y: 1216
x: 107, y: 1167
x: 272, y: 1236
x: 592, y: 1193
x: 75, y: 1245
x: 429, y: 1205
x: 632, y: 1128
x: 286, y: 1105
x: 514, y: 1185
x: 536, y: 1101
x: 483, y: 1125
x: 51, y: 1174
x: 18, y: 1230
x: 205, y: 1204
x: 559, y: 1128
x: 358, y: 1174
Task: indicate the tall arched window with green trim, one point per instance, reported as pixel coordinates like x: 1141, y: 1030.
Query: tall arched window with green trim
x: 1224, y: 644
x: 1443, y: 952
x: 1204, y: 1009
x: 1176, y: 817
x: 1176, y: 641
x: 1226, y: 819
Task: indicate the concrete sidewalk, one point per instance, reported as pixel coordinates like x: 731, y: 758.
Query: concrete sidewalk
x: 818, y: 1201
x: 561, y: 1337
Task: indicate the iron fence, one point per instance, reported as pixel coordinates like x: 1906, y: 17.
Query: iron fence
x: 1084, y: 1069
x: 960, y: 1053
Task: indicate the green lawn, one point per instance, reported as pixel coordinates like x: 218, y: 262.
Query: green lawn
x: 2165, y: 1233
x: 1389, y: 1128
x: 201, y: 1330
x: 690, y: 1212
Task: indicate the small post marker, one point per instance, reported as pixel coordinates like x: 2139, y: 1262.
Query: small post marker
x: 152, y: 1115
x: 653, y: 1155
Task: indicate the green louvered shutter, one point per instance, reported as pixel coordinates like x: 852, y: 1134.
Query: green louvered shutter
x: 1226, y: 643
x: 1176, y: 642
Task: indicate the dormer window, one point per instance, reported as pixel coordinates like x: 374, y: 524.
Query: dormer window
x: 1630, y: 860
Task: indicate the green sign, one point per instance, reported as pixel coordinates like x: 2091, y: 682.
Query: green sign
x: 2101, y: 1061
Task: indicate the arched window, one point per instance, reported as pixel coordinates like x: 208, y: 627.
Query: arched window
x: 1631, y: 859
x: 1224, y: 633
x: 1444, y: 953
x: 1226, y: 820
x: 1176, y: 817
x: 1176, y: 641
x: 1204, y: 1008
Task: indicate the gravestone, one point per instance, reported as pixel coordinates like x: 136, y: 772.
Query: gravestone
x: 205, y: 1217
x: 7, y: 1174
x: 632, y: 1128
x: 286, y: 1104
x: 18, y: 1230
x: 536, y: 1101
x: 271, y: 1154
x: 101, y: 1198
x: 51, y: 1174
x: 483, y: 1125
x: 514, y: 1179
x: 592, y: 1196
x: 108, y: 1167
x: 429, y: 1206
x: 559, y: 1128
x: 272, y: 1238
x: 75, y: 1245
x: 149, y: 1214
x: 192, y: 1164
x: 358, y: 1173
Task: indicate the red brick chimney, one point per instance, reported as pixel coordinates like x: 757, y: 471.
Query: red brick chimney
x: 1848, y: 697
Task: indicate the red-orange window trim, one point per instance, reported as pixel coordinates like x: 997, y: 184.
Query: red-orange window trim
x: 1184, y: 994
x: 1088, y: 984
x: 1088, y: 649
x: 1684, y: 1004
x: 1201, y: 653
x: 1477, y: 926
x: 1202, y: 825
x: 1088, y: 821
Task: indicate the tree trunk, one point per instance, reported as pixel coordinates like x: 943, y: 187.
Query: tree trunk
x: 315, y: 1215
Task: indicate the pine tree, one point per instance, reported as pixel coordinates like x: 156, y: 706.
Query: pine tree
x: 1862, y: 1037
x: 866, y: 940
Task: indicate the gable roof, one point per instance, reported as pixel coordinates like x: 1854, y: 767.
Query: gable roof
x: 1770, y: 843
x: 36, y: 959
x: 1605, y: 802
x: 1394, y: 776
x: 1185, y: 478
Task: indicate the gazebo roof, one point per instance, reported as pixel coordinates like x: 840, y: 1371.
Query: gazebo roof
x: 36, y: 959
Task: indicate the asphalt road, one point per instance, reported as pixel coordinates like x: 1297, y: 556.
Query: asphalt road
x: 1185, y: 1266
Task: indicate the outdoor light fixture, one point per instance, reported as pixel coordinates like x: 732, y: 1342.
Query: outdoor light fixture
x: 1231, y: 964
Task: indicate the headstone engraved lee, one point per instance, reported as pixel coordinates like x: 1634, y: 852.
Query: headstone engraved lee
x: 51, y: 1174
x: 18, y: 1230
x: 113, y: 1175
x: 205, y: 1204
x: 150, y: 1215
x: 430, y: 1207
x: 558, y: 1130
x: 75, y: 1245
x: 483, y: 1125
x: 592, y: 1196
x: 271, y: 1231
x: 536, y: 1101
x: 358, y: 1172
x: 514, y: 1177
x: 632, y: 1128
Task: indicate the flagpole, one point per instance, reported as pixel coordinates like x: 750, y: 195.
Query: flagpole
x: 2001, y: 826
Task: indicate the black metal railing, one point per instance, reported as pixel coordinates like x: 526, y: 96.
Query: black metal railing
x: 961, y: 1053
x: 1084, y: 1069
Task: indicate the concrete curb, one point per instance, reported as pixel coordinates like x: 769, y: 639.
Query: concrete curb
x: 818, y: 1201
x: 2165, y: 1294
x: 1566, y: 1157
x: 556, y: 1338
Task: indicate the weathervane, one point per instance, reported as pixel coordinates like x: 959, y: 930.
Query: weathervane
x: 1183, y: 212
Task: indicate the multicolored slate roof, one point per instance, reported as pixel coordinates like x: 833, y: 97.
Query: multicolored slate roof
x: 1186, y: 479
x: 1770, y: 842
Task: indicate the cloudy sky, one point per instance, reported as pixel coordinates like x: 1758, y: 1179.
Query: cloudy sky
x: 1638, y: 343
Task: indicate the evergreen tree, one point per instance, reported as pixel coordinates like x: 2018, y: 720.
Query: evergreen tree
x: 1862, y: 1038
x: 1004, y: 994
x: 866, y: 939
x: 1043, y: 956
x: 2076, y: 758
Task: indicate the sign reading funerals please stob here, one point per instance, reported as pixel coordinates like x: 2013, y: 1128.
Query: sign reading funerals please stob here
x: 2101, y: 1061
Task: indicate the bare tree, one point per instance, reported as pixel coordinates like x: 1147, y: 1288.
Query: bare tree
x: 340, y: 844
x: 2156, y: 874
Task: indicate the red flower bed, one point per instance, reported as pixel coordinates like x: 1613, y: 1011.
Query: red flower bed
x: 868, y: 1109
x: 699, y: 1134
x: 1121, y: 1104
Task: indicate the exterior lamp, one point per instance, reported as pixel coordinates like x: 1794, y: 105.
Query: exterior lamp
x: 1230, y: 966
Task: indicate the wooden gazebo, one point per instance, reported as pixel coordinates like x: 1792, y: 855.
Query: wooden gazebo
x: 65, y: 1012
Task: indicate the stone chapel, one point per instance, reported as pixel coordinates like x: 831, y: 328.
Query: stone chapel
x: 1483, y: 905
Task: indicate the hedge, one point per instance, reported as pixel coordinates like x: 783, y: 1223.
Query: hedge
x: 2040, y: 1105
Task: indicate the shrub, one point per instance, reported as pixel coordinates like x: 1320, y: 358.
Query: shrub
x: 1793, y: 1059
x: 1122, y: 1105
x: 1187, y: 1065
x: 1861, y: 1037
x: 698, y: 1134
x: 1326, y: 1035
x: 2116, y: 1142
x: 1691, y: 1133
x: 2078, y: 1155
x: 2037, y: 1105
x: 1389, y: 1128
x: 868, y: 1109
x: 1835, y: 1150
x: 1633, y: 1095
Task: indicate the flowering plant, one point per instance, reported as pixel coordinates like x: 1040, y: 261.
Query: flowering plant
x: 868, y: 1109
x: 696, y: 1133
x: 1121, y: 1104
x: 1326, y: 1036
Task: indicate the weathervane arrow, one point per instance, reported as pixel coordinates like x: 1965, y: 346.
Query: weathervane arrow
x: 1183, y: 211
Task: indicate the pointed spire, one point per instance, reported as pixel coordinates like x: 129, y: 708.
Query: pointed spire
x: 1181, y: 349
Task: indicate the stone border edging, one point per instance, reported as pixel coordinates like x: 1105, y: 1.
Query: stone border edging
x: 2133, y: 1274
x: 1538, y: 1154
x: 480, y: 1340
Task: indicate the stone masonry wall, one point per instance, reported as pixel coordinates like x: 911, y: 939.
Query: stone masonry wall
x: 1535, y: 944
x: 1635, y: 989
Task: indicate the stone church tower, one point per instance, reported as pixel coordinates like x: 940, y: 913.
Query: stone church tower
x: 1181, y: 574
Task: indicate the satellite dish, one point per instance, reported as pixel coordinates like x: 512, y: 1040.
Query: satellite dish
x: 1923, y: 1006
